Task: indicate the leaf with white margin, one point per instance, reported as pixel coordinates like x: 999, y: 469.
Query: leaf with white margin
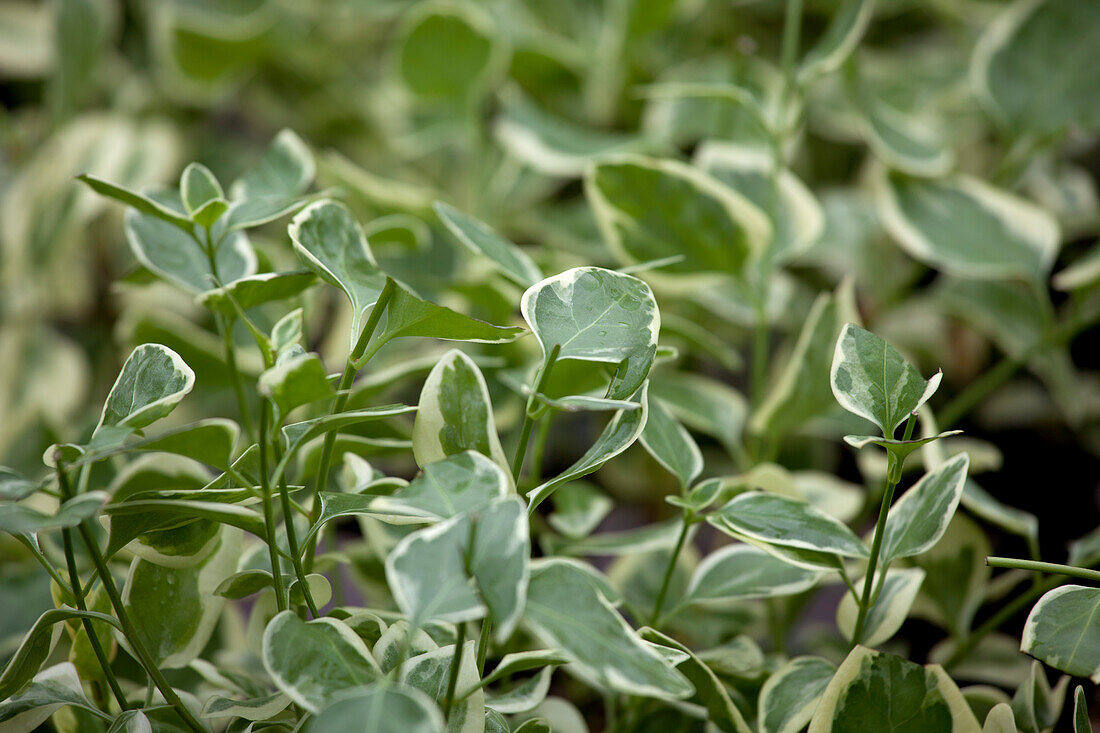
x: 1036, y: 705
x: 1032, y: 66
x: 839, y: 40
x: 390, y: 647
x: 1081, y: 722
x: 873, y: 691
x: 802, y: 390
x: 173, y: 254
x: 254, y: 290
x: 599, y: 315
x: 789, y: 696
x: 522, y: 661
x: 466, y: 482
x: 151, y: 383
x: 1061, y: 631
x: 624, y: 428
x: 198, y: 187
x: 786, y: 522
x: 147, y: 205
x: 482, y: 239
x: 671, y: 444
x: 463, y: 567
x: 743, y: 571
x: 703, y: 404
x: 634, y: 541
x: 379, y: 708
x: 173, y: 609
x: 552, y: 145
x: 871, y: 379
x: 330, y: 242
x: 650, y: 209
x: 524, y: 696
x: 21, y: 519
x: 51, y: 689
x: 709, y: 690
x: 285, y: 170
x: 797, y: 218
x: 888, y: 612
x: 967, y: 227
x: 579, y: 507
x: 1000, y: 720
x: 455, y: 413
x: 1081, y: 273
x: 566, y: 610
x: 210, y: 440
x: 136, y: 721
x: 311, y: 661
x: 430, y: 673
x: 903, y: 141
x: 295, y: 381
x: 258, y: 708
x: 920, y: 517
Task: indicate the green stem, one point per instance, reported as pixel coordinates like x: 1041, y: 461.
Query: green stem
x: 528, y: 419
x: 792, y: 28
x: 456, y: 662
x: 43, y: 561
x: 1043, y: 567
x: 295, y: 552
x: 893, y: 476
x: 225, y: 328
x: 658, y: 605
x: 269, y: 513
x: 483, y: 646
x: 341, y: 401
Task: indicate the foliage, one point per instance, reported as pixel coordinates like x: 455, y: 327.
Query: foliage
x: 371, y: 465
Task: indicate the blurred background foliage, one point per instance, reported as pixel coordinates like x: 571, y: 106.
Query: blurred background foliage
x: 497, y: 107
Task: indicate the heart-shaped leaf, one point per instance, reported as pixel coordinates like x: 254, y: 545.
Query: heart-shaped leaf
x: 871, y: 379
x: 566, y: 609
x: 313, y: 661
x: 651, y: 209
x: 594, y: 314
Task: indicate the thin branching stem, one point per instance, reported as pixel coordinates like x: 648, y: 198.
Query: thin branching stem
x: 658, y: 605
x: 528, y: 417
x: 1050, y: 568
x: 269, y: 513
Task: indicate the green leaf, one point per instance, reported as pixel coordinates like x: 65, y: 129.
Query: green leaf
x: 920, y: 517
x: 882, y: 692
x: 296, y: 381
x: 566, y: 609
x: 14, y: 485
x: 967, y: 227
x: 152, y: 382
x: 330, y: 243
x: 407, y: 315
x: 796, y: 217
x: 464, y: 566
x: 255, y: 290
x: 455, y: 413
x: 210, y: 441
x: 1036, y: 705
x: 50, y: 690
x: 296, y: 434
x: 175, y: 510
x: 1061, y: 631
x: 703, y: 404
x: 20, y: 519
x: 1081, y: 723
x: 430, y: 673
x: 37, y: 645
x: 523, y: 697
x: 671, y: 445
x: 871, y: 379
x: 787, y: 522
x: 257, y: 708
x: 802, y: 391
x: 312, y: 661
x: 464, y: 483
x: 621, y: 432
x: 510, y: 664
x: 894, y: 598
x: 174, y: 255
x: 743, y: 571
x: 198, y: 187
x: 839, y: 40
x: 284, y: 171
x: 379, y: 708
x: 650, y: 209
x: 481, y: 239
x: 647, y: 538
x: 553, y: 145
x: 243, y: 584
x: 173, y: 609
x: 579, y: 507
x: 446, y: 51
x: 1032, y: 68
x: 1000, y: 720
x: 789, y: 697
x: 904, y: 142
x: 709, y: 690
x: 140, y: 202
